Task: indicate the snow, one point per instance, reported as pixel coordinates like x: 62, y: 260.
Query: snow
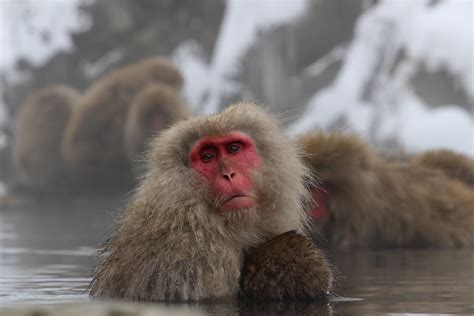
x: 439, y: 37
x: 423, y: 129
x: 322, y: 64
x: 35, y: 30
x: 241, y: 23
x: 188, y: 56
x: 97, y: 68
x: 27, y: 30
x: 3, y: 120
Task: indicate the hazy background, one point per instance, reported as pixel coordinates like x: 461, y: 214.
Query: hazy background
x: 399, y: 73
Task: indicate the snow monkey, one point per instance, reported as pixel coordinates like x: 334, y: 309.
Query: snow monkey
x: 38, y: 132
x: 156, y: 107
x: 215, y: 187
x: 93, y: 142
x: 367, y: 201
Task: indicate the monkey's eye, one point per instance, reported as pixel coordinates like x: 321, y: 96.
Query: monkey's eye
x: 233, y: 148
x: 207, y: 156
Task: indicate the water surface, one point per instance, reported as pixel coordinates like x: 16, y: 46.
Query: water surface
x: 47, y: 255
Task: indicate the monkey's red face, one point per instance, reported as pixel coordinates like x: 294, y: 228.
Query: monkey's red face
x: 226, y: 162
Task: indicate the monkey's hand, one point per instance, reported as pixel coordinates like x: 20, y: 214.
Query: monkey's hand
x: 289, y: 266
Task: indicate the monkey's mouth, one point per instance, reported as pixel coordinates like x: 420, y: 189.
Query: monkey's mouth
x: 236, y: 202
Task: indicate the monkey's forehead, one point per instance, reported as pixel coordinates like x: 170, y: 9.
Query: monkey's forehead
x: 246, y: 118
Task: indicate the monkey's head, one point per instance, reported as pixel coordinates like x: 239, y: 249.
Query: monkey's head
x: 236, y: 172
x: 155, y: 108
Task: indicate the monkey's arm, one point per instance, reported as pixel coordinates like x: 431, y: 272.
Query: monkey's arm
x: 288, y: 266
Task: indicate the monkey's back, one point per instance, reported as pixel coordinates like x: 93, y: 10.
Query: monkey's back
x: 93, y: 143
x: 452, y: 164
x: 375, y: 202
x: 39, y: 129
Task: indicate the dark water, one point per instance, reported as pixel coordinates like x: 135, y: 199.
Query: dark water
x: 46, y: 256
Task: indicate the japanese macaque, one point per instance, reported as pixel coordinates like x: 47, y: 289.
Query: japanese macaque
x: 452, y: 164
x: 364, y: 200
x: 38, y: 132
x: 155, y: 108
x: 215, y: 187
x: 93, y: 141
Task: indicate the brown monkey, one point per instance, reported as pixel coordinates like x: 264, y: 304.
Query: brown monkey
x: 215, y: 187
x: 454, y: 165
x: 93, y: 142
x: 156, y: 107
x: 296, y: 269
x: 38, y: 132
x: 367, y: 201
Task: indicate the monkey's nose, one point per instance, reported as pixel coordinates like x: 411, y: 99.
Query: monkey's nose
x: 228, y: 175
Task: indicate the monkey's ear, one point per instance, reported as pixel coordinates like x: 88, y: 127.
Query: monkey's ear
x: 287, y: 267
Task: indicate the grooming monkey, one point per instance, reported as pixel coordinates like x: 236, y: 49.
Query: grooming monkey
x: 367, y: 201
x: 216, y: 187
x: 93, y: 141
x: 38, y: 132
x: 155, y: 108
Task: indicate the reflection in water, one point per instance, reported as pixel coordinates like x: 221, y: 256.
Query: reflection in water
x: 46, y: 257
x: 46, y: 253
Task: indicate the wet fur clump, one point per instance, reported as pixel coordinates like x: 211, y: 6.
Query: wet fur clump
x: 287, y: 267
x: 39, y: 129
x: 170, y: 242
x: 374, y: 202
x: 93, y: 141
x: 155, y: 108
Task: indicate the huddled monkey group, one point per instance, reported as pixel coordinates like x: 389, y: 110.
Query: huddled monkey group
x: 228, y: 204
x: 68, y: 141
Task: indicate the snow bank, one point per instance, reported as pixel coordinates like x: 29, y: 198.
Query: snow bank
x: 421, y: 128
x: 439, y: 37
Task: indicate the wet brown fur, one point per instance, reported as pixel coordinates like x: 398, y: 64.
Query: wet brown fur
x: 171, y: 244
x: 287, y: 267
x: 155, y: 100
x: 93, y: 142
x: 378, y: 203
x: 39, y: 128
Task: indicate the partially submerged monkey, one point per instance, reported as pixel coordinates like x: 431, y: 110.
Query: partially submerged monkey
x: 216, y: 187
x: 155, y: 108
x: 93, y: 141
x: 38, y: 133
x: 364, y: 200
